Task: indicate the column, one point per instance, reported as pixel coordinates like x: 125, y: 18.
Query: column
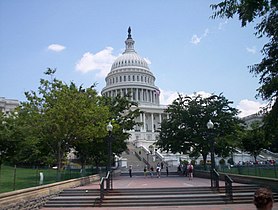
x: 152, y: 122
x: 144, y: 122
x: 141, y: 120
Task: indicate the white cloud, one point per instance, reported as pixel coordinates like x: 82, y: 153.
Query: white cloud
x: 168, y: 96
x: 101, y: 61
x: 195, y: 39
x: 221, y: 25
x: 56, y: 47
x: 252, y: 50
x: 206, y: 32
x: 247, y: 107
x: 148, y: 61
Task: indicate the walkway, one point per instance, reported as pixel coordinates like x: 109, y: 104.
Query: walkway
x: 171, y: 181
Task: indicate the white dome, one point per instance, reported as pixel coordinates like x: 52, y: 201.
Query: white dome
x: 129, y: 59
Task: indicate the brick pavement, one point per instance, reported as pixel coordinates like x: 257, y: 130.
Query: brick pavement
x: 171, y: 181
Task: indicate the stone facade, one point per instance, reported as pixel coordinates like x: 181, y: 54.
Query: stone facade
x: 8, y: 105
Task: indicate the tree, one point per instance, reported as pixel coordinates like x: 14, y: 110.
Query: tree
x: 65, y: 116
x: 254, y: 140
x: 185, y: 130
x: 265, y: 11
x: 122, y: 114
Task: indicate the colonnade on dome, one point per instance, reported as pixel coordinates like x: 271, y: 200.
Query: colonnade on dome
x: 135, y: 94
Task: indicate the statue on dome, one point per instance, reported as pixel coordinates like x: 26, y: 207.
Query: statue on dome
x: 129, y: 32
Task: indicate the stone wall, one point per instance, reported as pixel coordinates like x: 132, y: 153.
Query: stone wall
x: 35, y: 197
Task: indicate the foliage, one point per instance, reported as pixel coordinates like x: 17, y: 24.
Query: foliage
x: 254, y: 140
x: 185, y: 131
x: 265, y: 11
x: 60, y: 118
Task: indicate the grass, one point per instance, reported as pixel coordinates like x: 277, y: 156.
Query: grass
x: 20, y: 178
x: 254, y: 170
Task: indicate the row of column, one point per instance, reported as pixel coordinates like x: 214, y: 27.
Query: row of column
x: 143, y: 121
x: 137, y: 94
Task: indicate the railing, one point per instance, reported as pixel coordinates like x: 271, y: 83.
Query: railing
x: 108, y: 180
x: 137, y: 155
x: 215, y: 179
x: 228, y: 187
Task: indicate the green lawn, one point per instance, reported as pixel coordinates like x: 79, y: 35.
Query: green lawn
x: 11, y: 179
x: 270, y: 171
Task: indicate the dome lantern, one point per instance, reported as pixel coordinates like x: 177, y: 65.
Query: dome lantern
x: 129, y: 43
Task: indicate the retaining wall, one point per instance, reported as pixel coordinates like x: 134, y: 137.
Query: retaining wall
x: 35, y: 197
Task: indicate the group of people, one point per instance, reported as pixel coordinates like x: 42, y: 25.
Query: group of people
x: 150, y: 170
x: 186, y: 170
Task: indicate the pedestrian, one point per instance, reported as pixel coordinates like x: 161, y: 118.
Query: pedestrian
x: 130, y: 171
x: 145, y: 171
x: 151, y: 172
x: 190, y: 171
x: 158, y: 170
x: 167, y: 171
x: 263, y: 199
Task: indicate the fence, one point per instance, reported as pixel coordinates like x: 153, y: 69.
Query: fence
x: 15, y: 178
x: 260, y: 170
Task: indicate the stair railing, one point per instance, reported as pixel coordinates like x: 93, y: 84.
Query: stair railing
x: 215, y: 180
x: 104, y: 180
x: 137, y: 155
x: 229, y: 187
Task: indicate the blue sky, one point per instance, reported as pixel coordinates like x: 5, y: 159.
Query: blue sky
x: 187, y: 50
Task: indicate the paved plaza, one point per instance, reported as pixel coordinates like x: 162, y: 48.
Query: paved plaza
x: 171, y: 181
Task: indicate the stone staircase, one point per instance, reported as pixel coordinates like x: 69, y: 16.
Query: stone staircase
x: 152, y: 197
x: 138, y: 164
x: 72, y: 198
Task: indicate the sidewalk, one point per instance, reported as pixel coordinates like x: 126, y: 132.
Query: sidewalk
x: 171, y: 181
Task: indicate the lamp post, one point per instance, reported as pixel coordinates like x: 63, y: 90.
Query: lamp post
x: 210, y: 127
x: 109, y: 128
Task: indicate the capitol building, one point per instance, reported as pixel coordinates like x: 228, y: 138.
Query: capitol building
x: 130, y: 74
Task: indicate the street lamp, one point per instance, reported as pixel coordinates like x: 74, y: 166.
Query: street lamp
x: 109, y: 128
x: 210, y: 126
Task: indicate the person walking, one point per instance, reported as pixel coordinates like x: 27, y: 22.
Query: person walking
x: 145, y: 171
x: 158, y: 170
x: 151, y: 172
x: 190, y: 171
x: 167, y: 171
x: 130, y: 171
x: 263, y: 199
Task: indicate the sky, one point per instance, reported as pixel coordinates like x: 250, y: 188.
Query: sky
x: 187, y: 51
